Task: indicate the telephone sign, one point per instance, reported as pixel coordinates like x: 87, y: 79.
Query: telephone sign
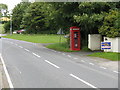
x: 74, y: 38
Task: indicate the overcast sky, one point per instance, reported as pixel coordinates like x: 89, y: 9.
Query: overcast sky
x: 11, y: 3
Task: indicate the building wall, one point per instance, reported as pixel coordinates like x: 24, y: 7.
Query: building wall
x: 94, y: 41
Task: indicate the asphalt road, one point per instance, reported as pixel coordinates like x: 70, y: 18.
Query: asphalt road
x: 33, y: 66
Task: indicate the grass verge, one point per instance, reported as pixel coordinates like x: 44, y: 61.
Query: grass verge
x: 86, y: 49
x: 107, y: 55
x: 65, y: 47
x: 60, y: 47
x: 37, y: 38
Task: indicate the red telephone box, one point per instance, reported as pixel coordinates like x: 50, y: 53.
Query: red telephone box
x: 74, y: 38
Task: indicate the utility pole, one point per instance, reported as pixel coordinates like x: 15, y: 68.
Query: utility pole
x: 10, y: 14
x: 10, y: 24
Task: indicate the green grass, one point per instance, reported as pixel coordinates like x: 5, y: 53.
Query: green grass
x: 60, y: 47
x: 64, y: 47
x: 107, y: 55
x: 1, y: 28
x: 39, y: 38
x: 86, y: 49
x: 44, y: 38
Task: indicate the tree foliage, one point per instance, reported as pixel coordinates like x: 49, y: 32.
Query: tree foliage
x: 7, y: 27
x: 18, y: 13
x: 33, y: 18
x: 48, y: 17
x: 111, y: 25
x: 3, y: 10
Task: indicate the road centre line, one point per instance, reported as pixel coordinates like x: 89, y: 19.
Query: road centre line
x: 68, y: 55
x: 20, y: 46
x: 6, y: 72
x: 11, y: 42
x: 91, y: 63
x: 35, y: 54
x: 115, y: 71
x: 27, y: 50
x: 63, y: 53
x: 103, y: 67
x: 16, y: 44
x: 75, y: 58
x: 82, y: 61
x: 51, y: 64
x: 45, y: 47
x: 82, y: 81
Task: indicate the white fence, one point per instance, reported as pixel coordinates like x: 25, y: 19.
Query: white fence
x: 94, y: 43
x: 115, y: 44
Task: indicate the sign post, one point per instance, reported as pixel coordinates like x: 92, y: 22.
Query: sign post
x: 60, y: 32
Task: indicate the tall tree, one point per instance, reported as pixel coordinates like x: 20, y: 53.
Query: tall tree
x: 91, y: 16
x: 33, y: 18
x: 111, y: 24
x: 60, y: 14
x: 18, y: 13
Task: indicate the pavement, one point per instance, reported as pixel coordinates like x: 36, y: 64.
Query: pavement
x: 112, y: 65
x: 32, y: 65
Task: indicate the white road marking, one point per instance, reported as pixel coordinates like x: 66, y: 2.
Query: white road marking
x: 20, y: 46
x: 91, y: 63
x: 11, y: 42
x: 35, y: 54
x: 63, y: 53
x: 116, y: 71
x: 18, y: 70
x: 75, y: 58
x: 82, y: 61
x: 68, y: 55
x: 45, y: 47
x: 16, y: 44
x: 6, y: 72
x: 82, y: 81
x: 27, y: 50
x: 51, y: 64
x: 103, y: 67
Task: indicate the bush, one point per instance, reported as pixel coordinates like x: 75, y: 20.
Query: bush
x: 7, y: 27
